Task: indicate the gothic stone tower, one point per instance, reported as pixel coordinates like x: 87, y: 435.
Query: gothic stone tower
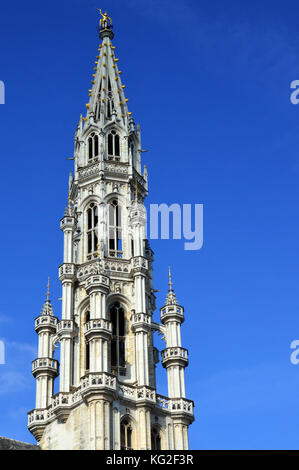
x: 107, y: 386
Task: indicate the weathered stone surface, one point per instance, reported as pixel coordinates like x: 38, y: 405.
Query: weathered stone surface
x: 12, y: 444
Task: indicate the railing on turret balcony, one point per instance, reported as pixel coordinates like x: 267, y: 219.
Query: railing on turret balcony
x: 174, y: 353
x: 44, y: 321
x: 127, y: 391
x: 98, y: 325
x: 140, y: 320
x: 45, y: 365
x: 142, y: 393
x: 67, y: 222
x: 98, y: 280
x: 162, y: 401
x: 140, y: 317
x: 139, y: 264
x: 181, y: 404
x: 146, y: 393
x: 98, y: 380
x: 37, y: 416
x: 65, y: 327
x: 175, y: 405
x: 172, y: 311
x: 67, y: 271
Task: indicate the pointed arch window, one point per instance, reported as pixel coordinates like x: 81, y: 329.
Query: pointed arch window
x: 115, y: 230
x: 113, y: 146
x: 118, y: 359
x: 87, y: 353
x: 93, y: 146
x: 155, y: 439
x: 126, y: 432
x: 92, y: 227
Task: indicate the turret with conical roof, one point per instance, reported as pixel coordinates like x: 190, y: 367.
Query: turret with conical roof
x: 174, y: 357
x: 45, y: 367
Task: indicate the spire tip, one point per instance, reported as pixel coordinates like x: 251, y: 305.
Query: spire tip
x: 48, y: 289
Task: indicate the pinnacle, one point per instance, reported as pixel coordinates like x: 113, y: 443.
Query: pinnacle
x: 171, y: 297
x: 47, y: 308
x: 107, y: 100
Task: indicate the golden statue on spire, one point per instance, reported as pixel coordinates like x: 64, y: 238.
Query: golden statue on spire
x: 105, y: 21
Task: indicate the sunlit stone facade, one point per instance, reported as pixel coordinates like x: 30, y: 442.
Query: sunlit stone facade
x: 107, y: 385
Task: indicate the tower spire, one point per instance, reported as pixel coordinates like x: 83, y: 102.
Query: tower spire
x: 47, y: 307
x: 107, y: 101
x: 48, y: 289
x: 171, y: 297
x: 107, y: 380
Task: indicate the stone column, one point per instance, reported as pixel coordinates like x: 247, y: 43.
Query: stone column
x: 98, y: 330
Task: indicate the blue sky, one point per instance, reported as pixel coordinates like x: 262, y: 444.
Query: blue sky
x: 210, y: 85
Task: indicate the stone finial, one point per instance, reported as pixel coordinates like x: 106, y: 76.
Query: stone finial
x: 47, y: 308
x: 69, y: 210
x: 171, y: 297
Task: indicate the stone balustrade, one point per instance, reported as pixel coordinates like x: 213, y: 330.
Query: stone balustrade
x: 67, y: 272
x: 145, y: 393
x: 66, y: 329
x: 45, y: 365
x: 139, y: 265
x: 45, y: 321
x: 97, y: 267
x: 175, y: 405
x: 127, y: 391
x: 37, y: 416
x: 172, y: 312
x: 119, y: 168
x: 98, y: 324
x: 61, y: 399
x: 138, y: 394
x: 93, y: 382
x: 97, y: 282
x: 67, y: 222
x: 140, y: 319
x: 89, y: 171
x: 162, y: 401
x: 174, y: 354
x: 62, y: 402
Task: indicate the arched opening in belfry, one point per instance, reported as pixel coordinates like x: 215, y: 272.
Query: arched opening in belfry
x: 118, y: 356
x: 92, y: 227
x: 93, y: 146
x: 126, y: 433
x: 115, y: 230
x: 155, y: 439
x: 113, y: 144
